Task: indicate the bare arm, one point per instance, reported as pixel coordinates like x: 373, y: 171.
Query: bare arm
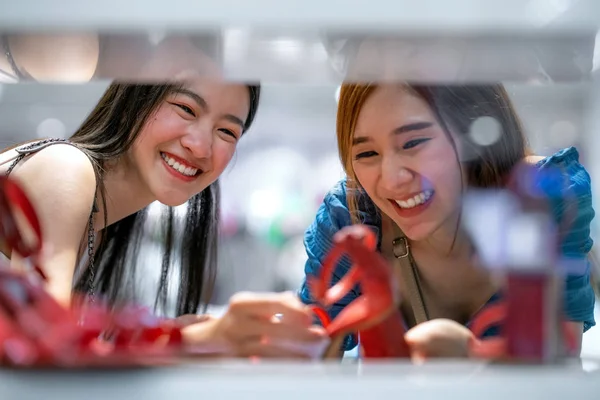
x: 577, y: 329
x: 533, y: 159
x: 61, y: 184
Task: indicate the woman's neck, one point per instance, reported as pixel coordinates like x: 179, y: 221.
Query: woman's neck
x: 125, y: 191
x: 448, y: 241
x: 451, y: 274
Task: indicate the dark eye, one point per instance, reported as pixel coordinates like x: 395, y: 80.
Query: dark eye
x: 228, y: 132
x: 186, y: 109
x: 365, y: 154
x: 413, y: 143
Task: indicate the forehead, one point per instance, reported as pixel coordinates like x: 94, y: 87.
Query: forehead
x: 389, y: 107
x: 221, y: 96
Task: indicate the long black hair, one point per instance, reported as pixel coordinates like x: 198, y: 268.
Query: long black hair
x: 107, y: 134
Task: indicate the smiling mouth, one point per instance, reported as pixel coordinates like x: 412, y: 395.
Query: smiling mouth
x: 183, y: 169
x: 418, y: 199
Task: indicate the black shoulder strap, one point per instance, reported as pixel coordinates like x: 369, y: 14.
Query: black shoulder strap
x: 30, y: 148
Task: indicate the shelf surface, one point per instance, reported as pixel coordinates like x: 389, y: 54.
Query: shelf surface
x: 301, y: 381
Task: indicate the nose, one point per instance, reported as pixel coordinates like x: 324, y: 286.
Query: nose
x: 199, y: 142
x: 394, y: 174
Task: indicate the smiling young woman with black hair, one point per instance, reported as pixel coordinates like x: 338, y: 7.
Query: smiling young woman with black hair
x: 144, y: 143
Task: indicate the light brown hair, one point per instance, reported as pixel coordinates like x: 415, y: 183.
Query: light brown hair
x: 456, y: 108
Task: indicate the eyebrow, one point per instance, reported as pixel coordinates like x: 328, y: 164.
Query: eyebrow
x: 204, y: 105
x: 194, y: 96
x: 417, y: 126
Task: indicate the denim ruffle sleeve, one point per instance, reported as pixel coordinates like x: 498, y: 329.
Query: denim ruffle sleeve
x: 571, y: 202
x: 332, y: 215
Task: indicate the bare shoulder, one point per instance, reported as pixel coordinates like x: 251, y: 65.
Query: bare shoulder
x: 58, y: 175
x: 55, y: 159
x: 62, y: 155
x: 61, y: 184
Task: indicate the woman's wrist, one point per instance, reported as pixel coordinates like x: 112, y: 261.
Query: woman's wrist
x: 201, y: 337
x: 189, y: 319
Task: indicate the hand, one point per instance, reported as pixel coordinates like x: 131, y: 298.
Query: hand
x: 250, y: 328
x: 439, y: 338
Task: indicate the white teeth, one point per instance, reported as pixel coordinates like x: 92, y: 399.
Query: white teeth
x: 181, y: 168
x: 416, y: 199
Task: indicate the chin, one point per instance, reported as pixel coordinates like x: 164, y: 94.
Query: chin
x: 172, y: 203
x: 417, y: 234
x: 172, y: 199
x: 419, y: 231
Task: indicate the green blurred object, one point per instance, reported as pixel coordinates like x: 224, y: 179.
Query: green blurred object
x: 295, y: 207
x: 275, y: 235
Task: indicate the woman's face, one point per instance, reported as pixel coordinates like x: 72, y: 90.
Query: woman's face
x: 405, y: 162
x: 189, y: 140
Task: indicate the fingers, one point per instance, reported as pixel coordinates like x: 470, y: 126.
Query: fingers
x: 271, y: 325
x: 269, y: 347
x: 257, y: 348
x: 293, y: 333
x: 490, y: 348
x: 248, y: 328
x: 439, y: 338
x: 266, y: 305
x: 266, y: 339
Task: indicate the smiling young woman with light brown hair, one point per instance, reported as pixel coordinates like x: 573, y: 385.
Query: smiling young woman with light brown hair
x: 409, y: 158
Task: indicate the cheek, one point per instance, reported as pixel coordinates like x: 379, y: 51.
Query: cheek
x: 222, y: 153
x: 164, y: 126
x: 366, y: 177
x: 446, y: 171
x: 442, y: 160
x: 361, y: 174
